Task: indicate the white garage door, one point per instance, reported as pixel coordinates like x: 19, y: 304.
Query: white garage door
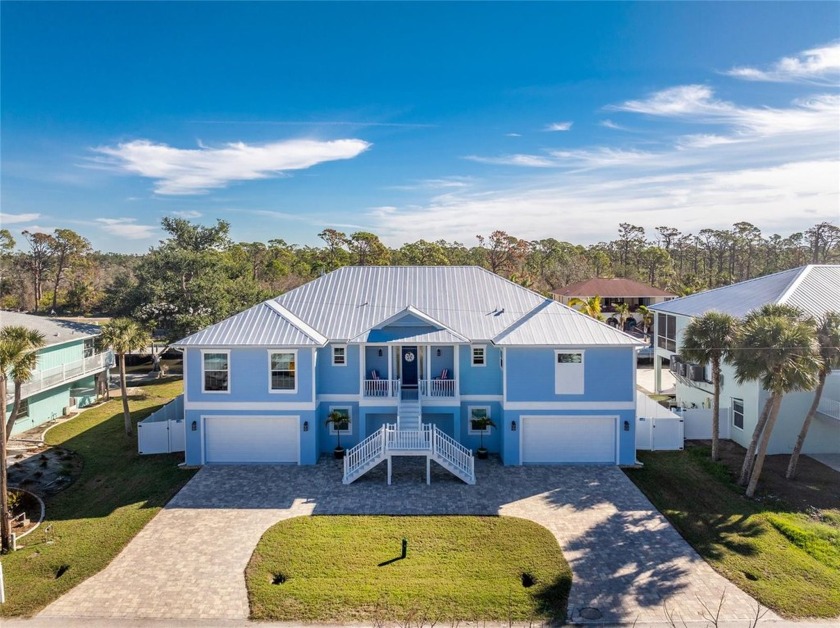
x: 559, y: 439
x: 243, y: 439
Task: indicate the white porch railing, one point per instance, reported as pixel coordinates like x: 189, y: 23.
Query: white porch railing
x: 382, y: 388
x: 458, y: 458
x: 408, y: 440
x: 437, y: 387
x: 42, y: 380
x: 829, y: 407
x: 364, y: 456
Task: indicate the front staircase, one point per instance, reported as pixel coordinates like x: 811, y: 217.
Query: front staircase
x: 409, y: 437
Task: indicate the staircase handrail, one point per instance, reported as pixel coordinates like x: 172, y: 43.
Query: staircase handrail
x: 453, y: 452
x: 362, y: 453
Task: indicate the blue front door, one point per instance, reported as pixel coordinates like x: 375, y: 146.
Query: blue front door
x: 409, y: 367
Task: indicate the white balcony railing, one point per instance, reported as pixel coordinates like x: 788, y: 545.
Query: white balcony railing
x: 382, y: 388
x: 437, y: 387
x: 71, y: 371
x: 829, y: 407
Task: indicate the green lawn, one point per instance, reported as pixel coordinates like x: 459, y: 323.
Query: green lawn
x: 329, y: 569
x: 116, y: 494
x: 788, y: 561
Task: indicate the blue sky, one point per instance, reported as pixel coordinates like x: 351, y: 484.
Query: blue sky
x: 418, y: 120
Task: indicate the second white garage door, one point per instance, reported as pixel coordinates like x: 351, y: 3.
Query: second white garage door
x: 568, y: 439
x: 250, y: 439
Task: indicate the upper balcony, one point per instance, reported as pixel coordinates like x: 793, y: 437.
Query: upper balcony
x: 69, y: 372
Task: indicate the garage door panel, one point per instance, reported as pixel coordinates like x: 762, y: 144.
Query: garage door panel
x: 566, y: 439
x: 246, y: 439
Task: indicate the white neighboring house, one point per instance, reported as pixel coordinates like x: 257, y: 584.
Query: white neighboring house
x: 816, y: 290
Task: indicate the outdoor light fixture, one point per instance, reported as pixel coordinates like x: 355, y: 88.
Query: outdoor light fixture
x: 194, y: 426
x: 380, y: 353
x: 513, y: 426
x: 627, y: 426
x: 438, y: 352
x: 306, y: 426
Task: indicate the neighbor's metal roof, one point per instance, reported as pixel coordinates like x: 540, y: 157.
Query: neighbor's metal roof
x: 470, y: 301
x: 612, y: 288
x: 555, y: 324
x: 55, y: 330
x: 815, y: 289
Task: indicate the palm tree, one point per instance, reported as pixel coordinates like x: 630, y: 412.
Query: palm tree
x: 623, y: 311
x: 709, y: 339
x: 647, y: 317
x: 123, y: 335
x: 828, y: 337
x: 340, y: 421
x: 17, y: 351
x: 778, y: 348
x: 591, y: 306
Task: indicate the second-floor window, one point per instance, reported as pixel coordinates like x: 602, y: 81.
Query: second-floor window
x: 90, y: 347
x: 339, y: 356
x: 478, y: 356
x: 666, y: 332
x: 216, y: 371
x: 568, y: 372
x: 23, y: 409
x: 283, y: 374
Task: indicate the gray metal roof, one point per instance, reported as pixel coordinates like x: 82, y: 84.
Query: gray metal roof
x: 815, y: 289
x: 558, y: 325
x: 55, y: 330
x: 353, y: 302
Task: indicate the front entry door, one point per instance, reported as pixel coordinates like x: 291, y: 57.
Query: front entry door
x: 409, y: 359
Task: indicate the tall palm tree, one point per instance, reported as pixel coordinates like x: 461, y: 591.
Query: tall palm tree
x: 647, y: 317
x: 123, y: 335
x: 16, y: 348
x: 709, y: 339
x: 623, y: 311
x: 778, y: 348
x: 591, y: 306
x: 28, y: 341
x: 828, y: 337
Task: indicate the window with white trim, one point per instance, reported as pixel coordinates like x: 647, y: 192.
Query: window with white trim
x: 216, y: 369
x: 283, y: 371
x: 478, y: 413
x: 738, y: 413
x: 23, y: 409
x: 568, y: 372
x: 339, y: 355
x: 666, y: 329
x: 89, y: 347
x: 479, y: 356
x: 345, y: 425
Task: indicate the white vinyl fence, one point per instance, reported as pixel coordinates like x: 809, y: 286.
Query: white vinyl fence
x: 698, y: 423
x: 162, y: 432
x: 657, y: 428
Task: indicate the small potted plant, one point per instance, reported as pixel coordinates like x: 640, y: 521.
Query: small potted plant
x: 480, y: 424
x: 340, y: 422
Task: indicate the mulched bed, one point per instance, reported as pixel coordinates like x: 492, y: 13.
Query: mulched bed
x: 45, y: 472
x: 31, y: 507
x: 815, y: 486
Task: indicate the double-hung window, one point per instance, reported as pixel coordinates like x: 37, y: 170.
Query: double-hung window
x: 738, y: 413
x: 479, y: 356
x: 339, y: 357
x: 216, y: 367
x: 283, y: 371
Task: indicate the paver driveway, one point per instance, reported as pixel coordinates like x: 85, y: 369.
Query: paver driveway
x: 188, y: 562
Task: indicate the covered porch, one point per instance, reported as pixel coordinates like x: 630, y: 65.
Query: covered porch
x: 411, y: 371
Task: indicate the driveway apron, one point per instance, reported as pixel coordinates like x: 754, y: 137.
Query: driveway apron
x: 628, y: 563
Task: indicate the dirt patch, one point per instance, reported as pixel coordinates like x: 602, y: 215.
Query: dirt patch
x: 44, y: 471
x: 815, y: 486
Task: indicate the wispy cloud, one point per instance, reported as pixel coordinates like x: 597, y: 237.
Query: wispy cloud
x: 513, y: 134
x: 530, y: 161
x: 126, y: 228
x: 13, y: 219
x: 609, y: 124
x: 818, y: 65
x: 558, y: 126
x: 190, y: 213
x: 444, y: 183
x: 178, y: 171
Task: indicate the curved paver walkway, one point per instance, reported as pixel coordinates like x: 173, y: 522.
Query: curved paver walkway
x: 188, y: 562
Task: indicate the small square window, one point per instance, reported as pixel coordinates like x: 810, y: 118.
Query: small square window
x: 478, y: 356
x: 342, y: 426
x: 339, y: 356
x: 478, y: 415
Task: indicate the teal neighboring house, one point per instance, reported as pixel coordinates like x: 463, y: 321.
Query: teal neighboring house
x: 70, y: 373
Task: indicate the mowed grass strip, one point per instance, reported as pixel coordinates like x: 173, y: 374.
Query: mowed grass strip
x: 116, y: 494
x: 786, y: 560
x: 336, y: 568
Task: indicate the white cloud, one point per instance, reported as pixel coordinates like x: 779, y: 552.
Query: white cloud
x: 196, y: 171
x: 187, y: 214
x: 531, y: 161
x: 513, y: 134
x: 13, y: 219
x: 817, y: 65
x: 37, y: 229
x: 703, y: 140
x: 609, y: 124
x: 559, y: 126
x: 126, y: 228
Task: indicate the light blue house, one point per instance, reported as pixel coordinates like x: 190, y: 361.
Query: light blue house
x: 411, y: 356
x: 70, y: 370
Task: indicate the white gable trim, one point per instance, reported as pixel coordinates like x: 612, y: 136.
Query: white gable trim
x: 794, y: 285
x: 414, y: 312
x: 294, y: 320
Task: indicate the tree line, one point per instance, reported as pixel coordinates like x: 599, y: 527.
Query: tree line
x: 197, y: 275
